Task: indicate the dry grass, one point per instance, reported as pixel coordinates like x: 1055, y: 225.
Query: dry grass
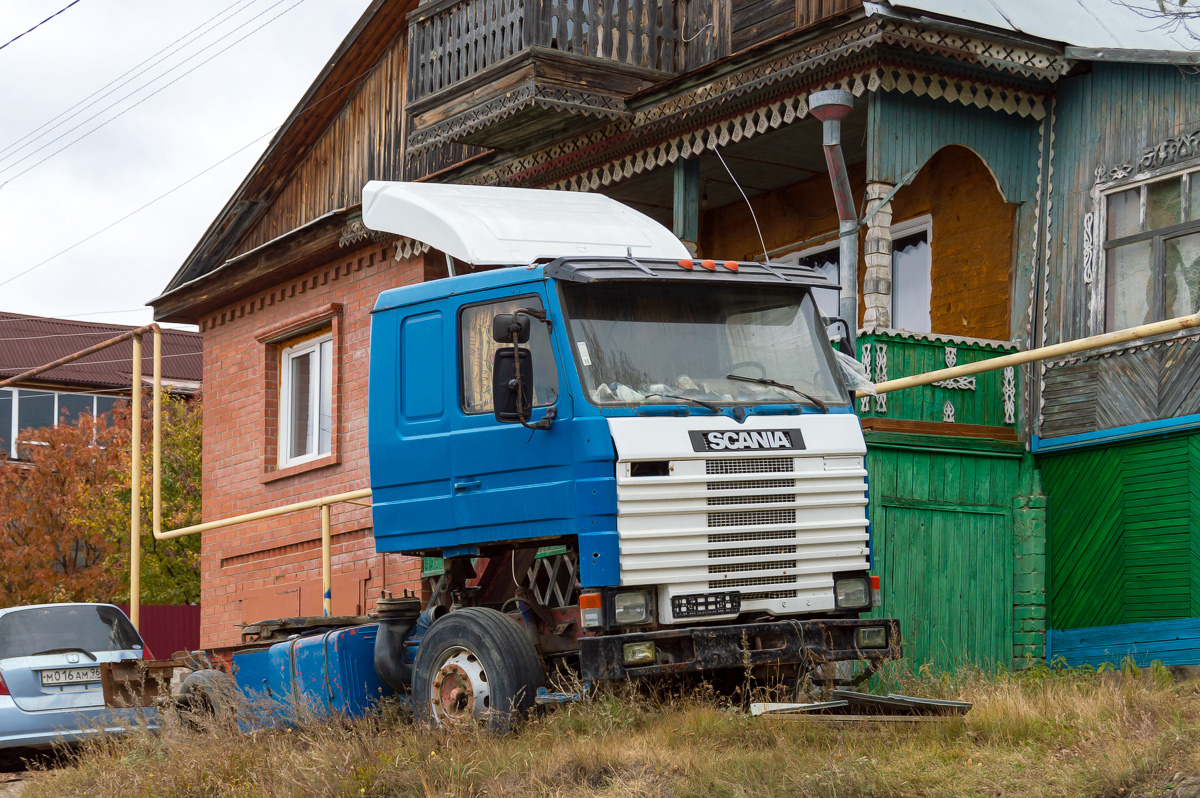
x: 1039, y: 733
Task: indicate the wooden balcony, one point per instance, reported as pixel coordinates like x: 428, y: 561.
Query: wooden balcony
x: 499, y: 72
x: 508, y: 73
x: 983, y: 406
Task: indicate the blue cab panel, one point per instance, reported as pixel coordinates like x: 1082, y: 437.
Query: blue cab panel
x: 322, y: 674
x: 446, y: 476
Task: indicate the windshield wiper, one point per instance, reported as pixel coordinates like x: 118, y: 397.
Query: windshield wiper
x: 66, y: 650
x: 764, y: 381
x: 701, y: 402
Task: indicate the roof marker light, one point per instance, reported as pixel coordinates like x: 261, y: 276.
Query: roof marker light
x: 711, y: 265
x: 731, y: 265
x: 687, y: 264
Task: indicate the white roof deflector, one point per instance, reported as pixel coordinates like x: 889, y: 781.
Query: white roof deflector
x: 491, y: 226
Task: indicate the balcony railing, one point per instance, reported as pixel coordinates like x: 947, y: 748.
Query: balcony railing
x: 453, y: 40
x: 987, y: 402
x: 517, y: 74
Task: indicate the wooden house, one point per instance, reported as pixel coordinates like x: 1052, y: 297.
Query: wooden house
x: 969, y: 151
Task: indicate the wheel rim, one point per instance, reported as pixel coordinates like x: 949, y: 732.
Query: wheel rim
x: 460, y: 690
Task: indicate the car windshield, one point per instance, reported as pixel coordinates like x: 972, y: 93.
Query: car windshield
x: 638, y: 343
x: 91, y: 627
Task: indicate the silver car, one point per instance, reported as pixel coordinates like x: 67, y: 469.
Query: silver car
x: 50, y: 657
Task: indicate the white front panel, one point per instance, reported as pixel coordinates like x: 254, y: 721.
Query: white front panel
x: 776, y: 525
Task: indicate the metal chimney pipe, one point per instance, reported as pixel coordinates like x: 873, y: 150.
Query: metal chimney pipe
x: 831, y: 107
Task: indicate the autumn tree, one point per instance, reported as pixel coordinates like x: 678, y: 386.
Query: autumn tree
x: 64, y: 511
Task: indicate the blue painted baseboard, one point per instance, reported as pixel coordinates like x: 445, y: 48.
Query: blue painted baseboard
x: 1170, y: 642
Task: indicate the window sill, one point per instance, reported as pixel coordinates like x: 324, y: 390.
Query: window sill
x: 300, y: 468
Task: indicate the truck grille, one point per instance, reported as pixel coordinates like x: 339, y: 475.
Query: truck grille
x: 701, y: 528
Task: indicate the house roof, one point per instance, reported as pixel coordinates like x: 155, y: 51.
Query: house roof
x: 27, y: 342
x: 1090, y: 25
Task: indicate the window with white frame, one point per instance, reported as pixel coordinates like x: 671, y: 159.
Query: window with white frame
x: 24, y: 408
x: 1152, y: 250
x: 306, y: 401
x: 912, y: 275
x: 824, y: 260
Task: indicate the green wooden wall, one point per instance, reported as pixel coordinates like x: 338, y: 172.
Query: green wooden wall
x: 1124, y: 531
x: 958, y: 534
x: 894, y: 355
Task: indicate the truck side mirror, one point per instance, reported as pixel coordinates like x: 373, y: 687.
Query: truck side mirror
x: 505, y: 324
x: 844, y: 341
x: 506, y: 391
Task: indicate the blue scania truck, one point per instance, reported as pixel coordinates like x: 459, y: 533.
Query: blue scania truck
x: 632, y: 462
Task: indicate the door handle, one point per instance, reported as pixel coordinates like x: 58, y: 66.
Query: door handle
x: 468, y: 485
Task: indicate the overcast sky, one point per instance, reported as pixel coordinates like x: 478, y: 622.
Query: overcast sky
x: 206, y: 115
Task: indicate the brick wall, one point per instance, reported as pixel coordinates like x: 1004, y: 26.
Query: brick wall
x: 272, y: 568
x: 1029, y: 575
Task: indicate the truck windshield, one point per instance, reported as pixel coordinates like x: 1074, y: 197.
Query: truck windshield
x: 640, y: 343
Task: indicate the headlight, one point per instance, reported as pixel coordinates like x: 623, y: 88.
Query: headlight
x: 852, y: 593
x: 639, y: 653
x: 871, y: 637
x: 631, y: 608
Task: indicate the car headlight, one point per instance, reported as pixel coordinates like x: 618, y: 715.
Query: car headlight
x: 631, y: 608
x: 852, y: 593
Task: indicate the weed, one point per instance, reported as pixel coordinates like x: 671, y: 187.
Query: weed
x: 1042, y: 731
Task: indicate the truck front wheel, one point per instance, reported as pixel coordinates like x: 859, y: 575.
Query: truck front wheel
x: 475, y: 665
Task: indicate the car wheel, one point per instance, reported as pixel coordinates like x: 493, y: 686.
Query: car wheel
x: 475, y: 665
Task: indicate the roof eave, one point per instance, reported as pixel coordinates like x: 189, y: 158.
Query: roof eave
x: 1126, y: 56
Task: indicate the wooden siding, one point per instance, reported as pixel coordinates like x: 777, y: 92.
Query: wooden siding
x: 1123, y: 527
x: 906, y: 131
x: 944, y: 534
x: 1168, y: 642
x: 1131, y: 386
x: 754, y: 21
x: 364, y: 142
x: 1106, y: 117
x: 982, y: 404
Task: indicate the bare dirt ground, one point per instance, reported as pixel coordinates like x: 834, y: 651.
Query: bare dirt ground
x: 11, y: 784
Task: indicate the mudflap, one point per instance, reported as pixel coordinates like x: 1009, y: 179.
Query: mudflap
x: 812, y: 643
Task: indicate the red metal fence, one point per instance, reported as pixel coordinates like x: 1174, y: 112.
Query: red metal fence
x: 167, y: 629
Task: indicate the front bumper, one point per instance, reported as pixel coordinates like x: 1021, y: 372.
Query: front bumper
x: 751, y: 645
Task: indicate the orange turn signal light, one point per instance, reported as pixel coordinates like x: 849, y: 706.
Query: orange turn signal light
x: 687, y: 264
x: 874, y: 582
x: 589, y: 601
x: 711, y: 265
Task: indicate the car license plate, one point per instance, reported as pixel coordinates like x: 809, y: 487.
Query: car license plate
x: 70, y: 676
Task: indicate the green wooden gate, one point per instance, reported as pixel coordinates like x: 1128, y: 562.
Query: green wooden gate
x: 954, y: 551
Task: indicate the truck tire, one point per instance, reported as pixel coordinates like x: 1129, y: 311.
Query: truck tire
x: 475, y: 665
x: 208, y: 697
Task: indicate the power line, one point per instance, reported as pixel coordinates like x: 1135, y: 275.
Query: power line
x: 142, y: 100
x: 36, y: 133
x: 40, y: 24
x: 53, y: 335
x: 139, y: 210
x: 85, y: 362
x: 296, y: 115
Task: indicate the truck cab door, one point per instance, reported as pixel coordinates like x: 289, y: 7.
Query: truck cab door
x: 509, y: 482
x: 411, y: 400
